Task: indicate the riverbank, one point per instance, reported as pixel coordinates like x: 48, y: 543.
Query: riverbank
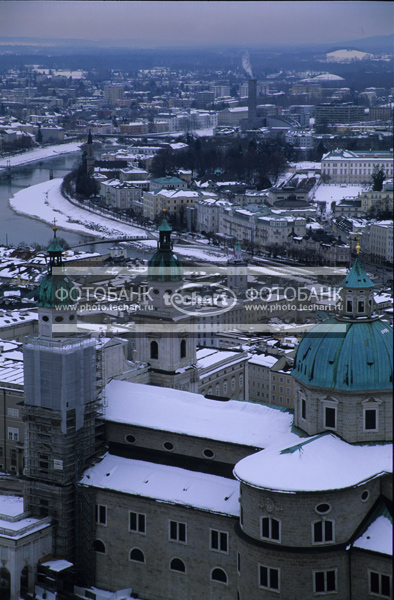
x: 45, y: 202
x: 38, y: 154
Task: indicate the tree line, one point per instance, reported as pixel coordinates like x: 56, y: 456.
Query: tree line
x: 258, y: 164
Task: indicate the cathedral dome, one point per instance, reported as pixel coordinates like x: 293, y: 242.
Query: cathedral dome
x: 164, y: 265
x: 346, y: 355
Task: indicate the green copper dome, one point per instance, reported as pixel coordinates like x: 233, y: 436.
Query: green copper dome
x: 164, y: 264
x: 55, y: 289
x: 357, y: 277
x: 346, y: 355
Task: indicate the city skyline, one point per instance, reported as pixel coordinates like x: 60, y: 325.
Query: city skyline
x: 196, y: 23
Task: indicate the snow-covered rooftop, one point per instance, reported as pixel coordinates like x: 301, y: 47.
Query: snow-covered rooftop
x: 323, y: 462
x: 191, y: 414
x: 263, y: 361
x: 378, y: 537
x: 165, y: 484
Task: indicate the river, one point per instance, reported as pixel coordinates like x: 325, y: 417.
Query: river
x: 18, y: 229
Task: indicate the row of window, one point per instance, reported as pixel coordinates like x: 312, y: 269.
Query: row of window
x: 169, y: 446
x: 370, y: 417
x: 269, y: 577
x: 177, y: 531
x: 154, y: 349
x: 322, y: 530
x: 325, y: 581
x: 176, y: 564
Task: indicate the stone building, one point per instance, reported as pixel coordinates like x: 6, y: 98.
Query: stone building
x: 227, y: 500
x: 330, y: 472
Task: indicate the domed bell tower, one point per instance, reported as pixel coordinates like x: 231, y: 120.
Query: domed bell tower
x: 56, y: 300
x: 165, y: 336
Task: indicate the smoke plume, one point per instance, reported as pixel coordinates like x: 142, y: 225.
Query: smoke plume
x: 246, y: 64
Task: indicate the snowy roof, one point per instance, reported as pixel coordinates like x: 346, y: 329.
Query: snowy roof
x: 211, y: 357
x: 8, y: 318
x: 323, y: 462
x: 165, y: 484
x: 57, y: 565
x: 11, y: 506
x: 167, y: 409
x: 378, y: 537
x: 13, y: 521
x: 263, y: 361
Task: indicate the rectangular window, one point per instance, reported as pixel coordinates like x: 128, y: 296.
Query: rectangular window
x: 323, y: 531
x: 137, y: 522
x: 269, y: 578
x: 380, y: 584
x: 325, y: 581
x: 13, y: 434
x: 303, y: 408
x: 270, y: 529
x: 330, y: 417
x: 178, y: 532
x: 219, y: 540
x: 101, y: 514
x: 370, y: 419
x: 13, y: 412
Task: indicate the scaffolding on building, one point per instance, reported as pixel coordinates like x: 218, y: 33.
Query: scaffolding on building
x: 63, y: 416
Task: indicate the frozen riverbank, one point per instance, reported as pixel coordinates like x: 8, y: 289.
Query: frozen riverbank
x: 46, y: 203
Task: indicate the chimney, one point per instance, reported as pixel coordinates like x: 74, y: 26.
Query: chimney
x: 252, y: 101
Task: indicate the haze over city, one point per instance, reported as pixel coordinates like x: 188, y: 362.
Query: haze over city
x: 155, y: 24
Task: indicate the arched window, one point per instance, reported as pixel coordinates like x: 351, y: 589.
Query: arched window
x: 154, y: 350
x: 183, y: 348
x: 98, y: 546
x: 219, y: 575
x: 177, y: 565
x: 137, y: 555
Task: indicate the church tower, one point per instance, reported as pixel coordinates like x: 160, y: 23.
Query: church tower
x: 165, y: 336
x: 61, y: 411
x: 343, y: 369
x: 89, y: 155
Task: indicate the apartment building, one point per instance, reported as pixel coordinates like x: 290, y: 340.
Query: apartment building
x: 379, y: 200
x: 381, y: 241
x: 113, y: 93
x: 173, y: 201
x: 338, y: 113
x: 120, y: 194
x: 346, y: 166
x: 270, y: 380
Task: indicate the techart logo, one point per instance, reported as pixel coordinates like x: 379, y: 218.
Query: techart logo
x: 202, y: 300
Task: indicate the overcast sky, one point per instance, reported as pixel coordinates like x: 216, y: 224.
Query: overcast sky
x: 152, y: 24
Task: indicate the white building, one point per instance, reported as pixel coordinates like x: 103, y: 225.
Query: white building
x: 346, y: 166
x: 381, y: 241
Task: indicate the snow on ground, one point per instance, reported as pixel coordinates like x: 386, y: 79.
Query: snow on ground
x: 323, y: 462
x: 39, y: 154
x: 329, y: 192
x: 46, y: 203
